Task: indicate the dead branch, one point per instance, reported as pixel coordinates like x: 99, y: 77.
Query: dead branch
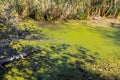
x: 14, y: 57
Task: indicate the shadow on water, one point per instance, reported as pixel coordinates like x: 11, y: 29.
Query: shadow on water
x: 53, y: 62
x: 116, y: 34
x: 113, y: 34
x: 11, y: 34
x: 57, y: 64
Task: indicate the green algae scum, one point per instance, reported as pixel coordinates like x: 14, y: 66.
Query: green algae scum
x: 71, y: 50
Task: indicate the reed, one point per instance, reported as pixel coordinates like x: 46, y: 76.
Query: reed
x: 61, y: 9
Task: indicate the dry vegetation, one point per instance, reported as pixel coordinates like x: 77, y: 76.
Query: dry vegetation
x: 61, y: 9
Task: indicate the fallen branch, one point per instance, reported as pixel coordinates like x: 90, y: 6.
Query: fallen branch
x: 14, y: 57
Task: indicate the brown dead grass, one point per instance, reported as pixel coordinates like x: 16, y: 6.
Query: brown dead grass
x: 102, y: 22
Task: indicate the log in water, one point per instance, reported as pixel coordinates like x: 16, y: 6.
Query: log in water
x: 14, y: 57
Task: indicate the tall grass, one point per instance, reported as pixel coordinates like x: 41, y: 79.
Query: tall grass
x: 62, y: 9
